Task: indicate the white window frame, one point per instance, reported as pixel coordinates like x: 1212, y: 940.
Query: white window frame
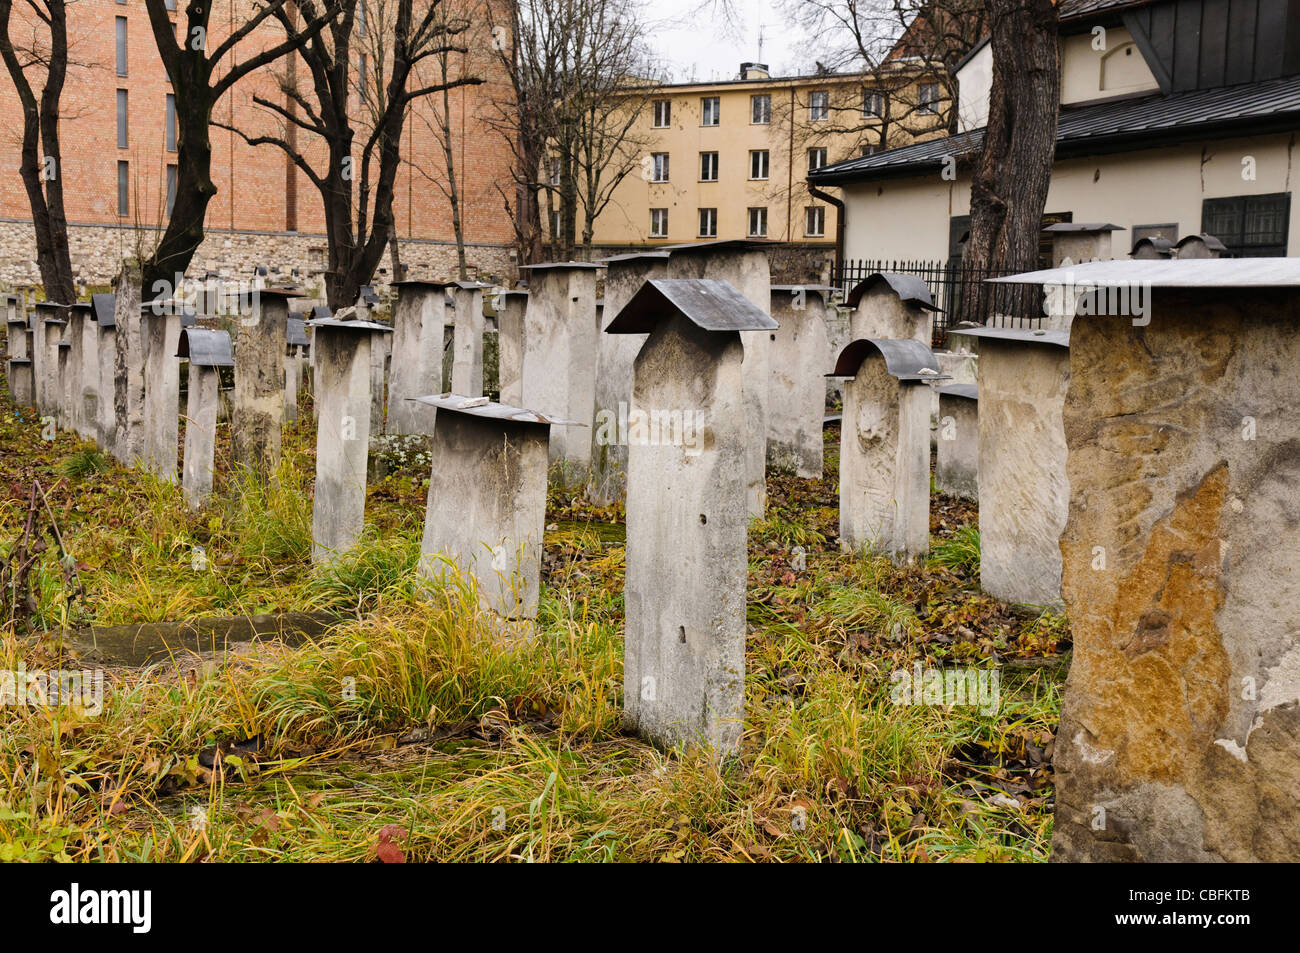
x: 820, y: 153
x: 814, y: 213
x: 706, y: 113
x: 873, y: 103
x: 928, y: 104
x: 659, y: 223
x: 765, y: 114
x: 664, y: 121
x: 709, y: 216
x: 819, y: 105
x: 704, y: 156
x: 761, y: 211
x: 765, y: 162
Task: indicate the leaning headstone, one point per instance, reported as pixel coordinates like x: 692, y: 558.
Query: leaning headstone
x: 1075, y: 242
x: 486, y: 510
x: 1199, y: 246
x: 512, y: 309
x: 885, y: 447
x: 22, y: 379
x: 560, y: 354
x: 206, y: 350
x: 418, y: 321
x: 105, y: 430
x: 258, y: 410
x: 342, y: 352
x: 616, y: 353
x: 891, y: 306
x: 1023, y: 492
x: 684, y: 662
x: 957, y: 449
x: 128, y: 387
x: 797, y: 389
x: 160, y: 323
x: 467, y: 339
x: 1179, y: 723
x: 744, y: 265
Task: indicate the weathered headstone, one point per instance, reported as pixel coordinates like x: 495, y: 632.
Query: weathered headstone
x: 486, y: 511
x: 1178, y: 729
x: 419, y: 318
x: 82, y: 374
x: 258, y: 410
x: 797, y: 389
x: 295, y: 347
x: 1199, y: 246
x: 684, y: 664
x: 467, y: 339
x: 560, y: 354
x: 957, y: 450
x: 1023, y: 492
x: 22, y: 379
x: 1150, y: 249
x: 105, y: 421
x: 891, y: 306
x: 342, y: 352
x: 128, y: 387
x: 885, y: 447
x: 47, y: 331
x: 206, y: 350
x: 512, y: 309
x: 160, y: 324
x: 616, y: 353
x: 1076, y: 242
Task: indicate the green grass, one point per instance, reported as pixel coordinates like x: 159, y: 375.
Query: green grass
x: 961, y: 553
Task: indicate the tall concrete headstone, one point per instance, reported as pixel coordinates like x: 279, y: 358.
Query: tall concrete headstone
x: 295, y: 347
x: 206, y: 351
x: 128, y: 366
x: 512, y: 310
x: 467, y: 339
x: 22, y: 377
x: 419, y: 318
x: 258, y: 411
x: 160, y: 324
x: 105, y: 421
x: 885, y: 447
x: 48, y: 324
x: 684, y: 662
x: 957, y: 449
x: 797, y: 395
x: 342, y: 352
x: 82, y: 377
x: 891, y: 306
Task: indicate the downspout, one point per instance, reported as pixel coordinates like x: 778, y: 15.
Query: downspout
x: 789, y: 185
x: 840, y: 212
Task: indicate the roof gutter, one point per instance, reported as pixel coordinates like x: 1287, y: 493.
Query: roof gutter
x: 840, y: 212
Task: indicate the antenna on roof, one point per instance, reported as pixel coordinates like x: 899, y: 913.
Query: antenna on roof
x: 760, y: 42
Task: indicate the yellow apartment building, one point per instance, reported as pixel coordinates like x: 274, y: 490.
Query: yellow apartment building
x: 729, y: 159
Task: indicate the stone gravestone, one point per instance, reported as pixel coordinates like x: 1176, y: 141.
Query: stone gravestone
x: 891, y: 306
x: 207, y: 351
x: 1076, y: 242
x: 295, y: 347
x: 1179, y: 723
x: 467, y: 339
x: 1199, y: 246
x: 105, y: 419
x: 128, y: 387
x: 48, y: 325
x: 22, y: 376
x: 342, y: 352
x: 797, y: 387
x: 512, y: 310
x: 1150, y: 249
x: 744, y: 265
x: 957, y: 450
x: 1023, y: 493
x: 616, y: 353
x: 82, y: 378
x: 885, y: 447
x: 419, y: 318
x: 684, y: 664
x: 258, y: 411
x: 161, y: 334
x: 486, y: 511
x: 560, y: 356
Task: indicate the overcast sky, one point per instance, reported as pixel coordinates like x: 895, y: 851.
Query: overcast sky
x: 693, y: 40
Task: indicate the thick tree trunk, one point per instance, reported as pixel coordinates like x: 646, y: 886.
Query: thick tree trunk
x: 1012, y: 174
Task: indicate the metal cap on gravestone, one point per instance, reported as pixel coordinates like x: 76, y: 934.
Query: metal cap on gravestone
x: 905, y: 359
x: 1081, y: 241
x: 103, y: 305
x: 1151, y: 248
x: 707, y: 302
x: 1200, y: 246
x: 296, y: 332
x: 206, y: 347
x: 890, y: 306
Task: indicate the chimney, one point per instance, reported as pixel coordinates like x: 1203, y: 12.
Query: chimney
x: 754, y: 71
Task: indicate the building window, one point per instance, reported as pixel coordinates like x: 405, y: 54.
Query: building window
x: 555, y: 171
x: 758, y: 165
x: 928, y: 99
x: 869, y: 150
x: 819, y: 106
x: 121, y: 119
x: 1167, y: 231
x: 119, y: 26
x: 171, y: 122
x: 708, y: 223
x: 123, y: 189
x: 1252, y: 226
x: 557, y: 224
x: 760, y: 109
x: 873, y: 104
x: 171, y: 188
x: 814, y: 221
x: 816, y: 159
x: 710, y: 111
x: 659, y: 223
x: 663, y: 113
x: 708, y: 167
x: 758, y: 223
x: 659, y: 170
x: 169, y: 4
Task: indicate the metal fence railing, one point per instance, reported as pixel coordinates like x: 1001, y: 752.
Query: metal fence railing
x: 950, y: 285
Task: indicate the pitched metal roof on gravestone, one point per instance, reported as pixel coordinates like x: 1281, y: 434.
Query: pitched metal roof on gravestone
x: 1172, y: 273
x: 104, y: 305
x: 350, y: 325
x: 295, y: 332
x: 711, y: 304
x: 482, y: 407
x: 910, y: 288
x: 1022, y: 335
x: 321, y: 312
x: 367, y: 294
x: 52, y: 309
x: 555, y: 265
x: 1083, y: 227
x: 966, y: 391
x: 905, y: 358
x: 205, y: 347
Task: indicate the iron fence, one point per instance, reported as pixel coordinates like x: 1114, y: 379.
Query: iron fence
x: 961, y: 292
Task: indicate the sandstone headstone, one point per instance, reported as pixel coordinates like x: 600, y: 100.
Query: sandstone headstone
x: 258, y: 410
x: 891, y: 306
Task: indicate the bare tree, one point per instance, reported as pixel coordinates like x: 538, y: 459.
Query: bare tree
x: 41, y: 166
x: 1014, y: 168
x: 197, y: 84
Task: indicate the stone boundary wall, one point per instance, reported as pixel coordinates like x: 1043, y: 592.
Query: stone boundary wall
x: 97, y: 252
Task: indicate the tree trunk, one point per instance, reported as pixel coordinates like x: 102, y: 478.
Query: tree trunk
x: 194, y: 189
x: 1014, y: 169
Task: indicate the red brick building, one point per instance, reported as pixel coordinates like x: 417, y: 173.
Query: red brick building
x: 118, y: 147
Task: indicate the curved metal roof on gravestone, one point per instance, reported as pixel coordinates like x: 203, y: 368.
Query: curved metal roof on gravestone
x: 482, y: 407
x: 1161, y: 246
x: 911, y: 289
x: 206, y: 347
x: 1210, y: 242
x: 710, y: 303
x: 905, y: 358
x: 103, y: 305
